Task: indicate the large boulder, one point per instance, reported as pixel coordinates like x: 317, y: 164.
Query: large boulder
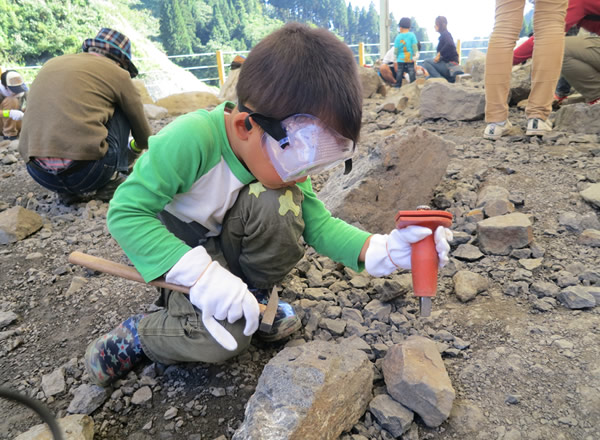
x: 398, y: 174
x: 370, y: 80
x: 475, y: 65
x: 186, y: 102
x: 520, y: 84
x: 578, y: 118
x: 311, y: 392
x: 454, y: 102
x: 228, y: 90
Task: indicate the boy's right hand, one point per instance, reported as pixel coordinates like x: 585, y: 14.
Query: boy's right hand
x: 221, y: 295
x: 218, y: 293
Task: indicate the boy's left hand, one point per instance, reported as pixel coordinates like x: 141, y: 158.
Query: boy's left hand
x: 386, y: 253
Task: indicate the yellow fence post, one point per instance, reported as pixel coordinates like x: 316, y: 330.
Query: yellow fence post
x: 361, y: 54
x: 458, y: 50
x: 220, y: 67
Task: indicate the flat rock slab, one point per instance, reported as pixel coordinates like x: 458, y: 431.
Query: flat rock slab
x: 18, y: 223
x: 500, y: 235
x: 578, y: 118
x: 314, y: 391
x: 454, y: 102
x: 415, y: 376
x: 74, y: 427
x: 398, y: 174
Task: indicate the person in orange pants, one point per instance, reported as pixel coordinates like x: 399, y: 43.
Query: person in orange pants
x: 549, y: 22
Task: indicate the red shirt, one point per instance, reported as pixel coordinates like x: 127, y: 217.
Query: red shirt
x: 576, y: 13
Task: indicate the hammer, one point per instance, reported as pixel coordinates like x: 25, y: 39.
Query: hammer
x: 130, y: 273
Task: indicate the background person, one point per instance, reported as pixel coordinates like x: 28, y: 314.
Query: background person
x: 549, y: 24
x: 81, y: 109
x: 387, y: 71
x: 579, y: 53
x: 12, y: 94
x: 406, y: 50
x: 446, y: 59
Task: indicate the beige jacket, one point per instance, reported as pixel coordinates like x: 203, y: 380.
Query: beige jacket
x: 69, y: 104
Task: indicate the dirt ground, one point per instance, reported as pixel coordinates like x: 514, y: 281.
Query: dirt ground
x: 526, y: 373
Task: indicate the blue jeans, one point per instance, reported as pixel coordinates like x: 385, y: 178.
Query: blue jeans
x: 408, y: 68
x: 84, y: 176
x: 441, y: 69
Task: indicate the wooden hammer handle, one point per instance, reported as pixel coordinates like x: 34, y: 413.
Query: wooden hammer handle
x: 124, y: 271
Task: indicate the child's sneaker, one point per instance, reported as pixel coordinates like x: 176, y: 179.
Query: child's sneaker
x: 496, y: 130
x: 285, y: 323
x: 115, y: 354
x: 538, y: 127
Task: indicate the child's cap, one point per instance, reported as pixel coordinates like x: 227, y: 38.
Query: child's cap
x: 404, y: 23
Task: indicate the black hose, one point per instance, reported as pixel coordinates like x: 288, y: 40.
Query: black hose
x: 36, y: 406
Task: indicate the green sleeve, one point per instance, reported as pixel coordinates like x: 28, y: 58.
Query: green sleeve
x: 170, y: 166
x: 329, y: 235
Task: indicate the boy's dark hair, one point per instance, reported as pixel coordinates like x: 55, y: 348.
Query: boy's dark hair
x: 404, y: 23
x: 298, y: 69
x: 442, y: 23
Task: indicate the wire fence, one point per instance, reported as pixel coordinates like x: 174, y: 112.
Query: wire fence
x: 218, y: 67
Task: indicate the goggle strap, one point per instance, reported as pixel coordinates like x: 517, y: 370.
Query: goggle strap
x: 347, y: 166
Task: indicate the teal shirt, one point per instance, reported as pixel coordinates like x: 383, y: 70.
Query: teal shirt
x: 191, y: 171
x: 405, y: 46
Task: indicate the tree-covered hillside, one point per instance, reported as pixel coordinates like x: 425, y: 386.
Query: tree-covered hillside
x: 32, y: 31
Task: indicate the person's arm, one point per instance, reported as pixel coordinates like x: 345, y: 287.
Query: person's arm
x: 169, y: 167
x: 131, y: 104
x: 329, y: 235
x: 523, y: 52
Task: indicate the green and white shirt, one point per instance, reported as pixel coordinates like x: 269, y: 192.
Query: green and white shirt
x: 191, y: 172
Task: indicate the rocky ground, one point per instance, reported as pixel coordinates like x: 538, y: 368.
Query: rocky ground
x: 523, y: 364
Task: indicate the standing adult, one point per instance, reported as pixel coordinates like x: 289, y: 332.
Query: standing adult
x: 81, y: 109
x: 581, y: 62
x: 549, y: 24
x: 12, y: 92
x: 446, y: 59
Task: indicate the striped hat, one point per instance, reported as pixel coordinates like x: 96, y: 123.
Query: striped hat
x: 116, y: 45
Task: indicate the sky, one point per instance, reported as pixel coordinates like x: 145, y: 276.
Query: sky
x: 466, y: 18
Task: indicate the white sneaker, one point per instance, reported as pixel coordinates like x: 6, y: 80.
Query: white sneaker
x: 538, y: 127
x: 496, y: 130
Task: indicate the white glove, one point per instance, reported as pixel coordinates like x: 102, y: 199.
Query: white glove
x: 218, y: 293
x: 16, y: 115
x: 386, y: 253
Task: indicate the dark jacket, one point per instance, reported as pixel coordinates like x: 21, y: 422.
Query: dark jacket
x: 447, y: 48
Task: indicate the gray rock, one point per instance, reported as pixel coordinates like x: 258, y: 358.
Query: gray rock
x: 315, y: 391
x: 142, y: 396
x: 467, y: 285
x: 467, y: 252
x: 531, y: 263
x: 415, y: 376
x: 454, y: 102
x: 363, y: 195
x: 466, y: 417
x: 576, y: 297
x: 7, y: 318
x: 578, y: 118
x: 500, y: 235
x: 54, y: 383
x: 377, y: 310
x: 592, y: 193
x: 335, y: 326
x: 391, y: 415
x: 18, y: 223
x: 589, y: 237
x: 544, y: 289
x: 87, y: 399
x: 73, y: 427
x: 153, y: 111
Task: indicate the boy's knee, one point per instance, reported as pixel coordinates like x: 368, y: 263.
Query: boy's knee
x: 11, y: 103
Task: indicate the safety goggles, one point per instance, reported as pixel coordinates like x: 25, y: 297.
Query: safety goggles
x: 300, y: 145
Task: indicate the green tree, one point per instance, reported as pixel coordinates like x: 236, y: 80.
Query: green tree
x: 173, y: 28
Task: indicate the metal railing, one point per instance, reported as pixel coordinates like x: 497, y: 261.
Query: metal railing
x: 363, y: 57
